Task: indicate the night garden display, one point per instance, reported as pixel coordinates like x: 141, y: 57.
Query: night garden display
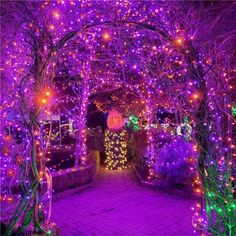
x: 142, y: 58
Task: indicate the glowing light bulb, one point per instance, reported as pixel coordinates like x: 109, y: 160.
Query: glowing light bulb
x: 154, y: 48
x: 51, y: 27
x: 106, y: 36
x: 56, y: 14
x: 195, y: 96
x: 44, y: 101
x: 179, y: 41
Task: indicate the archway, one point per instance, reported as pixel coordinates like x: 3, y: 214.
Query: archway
x: 148, y: 87
x: 122, y: 99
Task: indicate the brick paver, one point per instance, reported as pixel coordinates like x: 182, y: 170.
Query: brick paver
x: 117, y: 205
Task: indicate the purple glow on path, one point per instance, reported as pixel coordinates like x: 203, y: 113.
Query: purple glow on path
x: 118, y: 205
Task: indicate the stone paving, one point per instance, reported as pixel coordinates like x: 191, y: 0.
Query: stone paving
x: 118, y: 205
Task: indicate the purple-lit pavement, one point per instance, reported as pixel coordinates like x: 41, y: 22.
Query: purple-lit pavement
x: 117, y: 205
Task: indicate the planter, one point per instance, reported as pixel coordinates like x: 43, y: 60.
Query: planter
x: 163, y: 186
x: 73, y: 179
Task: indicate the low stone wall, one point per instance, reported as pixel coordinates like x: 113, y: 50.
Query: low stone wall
x: 71, y: 178
x: 74, y: 178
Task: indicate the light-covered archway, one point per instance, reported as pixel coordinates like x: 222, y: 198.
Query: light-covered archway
x: 151, y: 48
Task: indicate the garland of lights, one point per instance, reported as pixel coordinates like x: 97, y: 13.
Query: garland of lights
x: 116, y: 149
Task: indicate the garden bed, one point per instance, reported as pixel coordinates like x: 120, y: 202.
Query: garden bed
x: 70, y: 180
x: 165, y: 187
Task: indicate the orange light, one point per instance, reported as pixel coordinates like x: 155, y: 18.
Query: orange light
x: 179, y: 41
x: 114, y: 120
x: 191, y: 160
x: 198, y: 190
x: 56, y: 14
x: 10, y: 199
x: 51, y: 27
x: 5, y: 151
x: 106, y: 36
x: 19, y: 160
x: 8, y: 138
x: 195, y: 96
x: 36, y: 142
x: 44, y: 101
x: 48, y: 93
x: 154, y: 48
x: 180, y: 62
x: 121, y: 62
x: 10, y: 173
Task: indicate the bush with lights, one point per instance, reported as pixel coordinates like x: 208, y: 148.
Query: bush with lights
x: 176, y: 161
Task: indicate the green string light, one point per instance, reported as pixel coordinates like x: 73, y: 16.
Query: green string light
x: 133, y: 122
x: 233, y: 110
x: 185, y: 119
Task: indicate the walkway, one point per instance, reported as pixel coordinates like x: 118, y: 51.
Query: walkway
x: 117, y: 205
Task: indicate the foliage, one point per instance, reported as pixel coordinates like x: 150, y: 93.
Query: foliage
x: 175, y: 160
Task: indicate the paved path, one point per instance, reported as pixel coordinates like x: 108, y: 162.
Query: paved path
x: 117, y: 205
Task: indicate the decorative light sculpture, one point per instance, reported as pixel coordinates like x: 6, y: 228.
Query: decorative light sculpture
x: 133, y: 122
x: 116, y: 149
x: 114, y: 120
